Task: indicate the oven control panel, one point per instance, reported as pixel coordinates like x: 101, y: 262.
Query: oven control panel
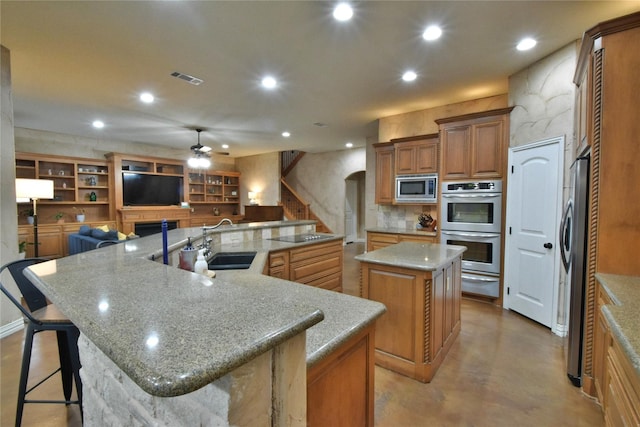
x: 494, y: 186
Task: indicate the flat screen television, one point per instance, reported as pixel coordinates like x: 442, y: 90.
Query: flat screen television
x: 151, y: 190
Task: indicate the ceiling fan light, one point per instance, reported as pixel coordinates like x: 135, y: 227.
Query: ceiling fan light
x: 193, y: 162
x: 204, y: 163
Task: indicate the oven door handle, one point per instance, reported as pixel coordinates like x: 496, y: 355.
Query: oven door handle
x: 478, y: 279
x: 471, y: 196
x: 482, y: 235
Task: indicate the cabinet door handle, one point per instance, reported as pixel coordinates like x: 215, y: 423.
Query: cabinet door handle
x: 548, y: 245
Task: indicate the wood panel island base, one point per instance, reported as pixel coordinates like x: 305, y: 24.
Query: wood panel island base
x: 420, y: 285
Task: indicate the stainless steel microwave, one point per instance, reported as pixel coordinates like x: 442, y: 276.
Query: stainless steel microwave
x: 417, y: 189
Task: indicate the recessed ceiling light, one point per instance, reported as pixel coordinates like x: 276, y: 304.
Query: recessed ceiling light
x: 348, y: 145
x: 286, y: 134
x: 98, y: 124
x: 225, y: 146
x: 433, y: 32
x: 526, y: 44
x: 409, y: 76
x: 269, y: 82
x: 146, y: 97
x: 343, y: 12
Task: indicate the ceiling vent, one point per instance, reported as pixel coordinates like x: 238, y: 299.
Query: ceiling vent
x: 187, y: 78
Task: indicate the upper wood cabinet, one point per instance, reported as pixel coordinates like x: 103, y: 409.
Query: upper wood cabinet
x: 385, y: 173
x: 474, y: 145
x: 416, y: 156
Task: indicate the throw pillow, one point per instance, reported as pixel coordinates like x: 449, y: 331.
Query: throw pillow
x: 84, y: 230
x: 104, y: 228
x: 99, y: 234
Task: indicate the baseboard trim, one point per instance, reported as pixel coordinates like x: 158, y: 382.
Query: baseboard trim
x: 11, y: 328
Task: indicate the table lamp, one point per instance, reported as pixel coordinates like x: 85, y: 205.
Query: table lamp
x: 34, y: 189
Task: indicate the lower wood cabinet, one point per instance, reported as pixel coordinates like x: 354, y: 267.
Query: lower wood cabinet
x: 422, y: 319
x: 601, y: 343
x: 377, y: 240
x: 317, y: 265
x: 340, y: 388
x: 622, y: 389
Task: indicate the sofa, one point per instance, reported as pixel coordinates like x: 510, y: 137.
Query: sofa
x: 88, y: 238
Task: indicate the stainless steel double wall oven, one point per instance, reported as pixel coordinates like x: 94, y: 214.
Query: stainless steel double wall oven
x: 471, y: 216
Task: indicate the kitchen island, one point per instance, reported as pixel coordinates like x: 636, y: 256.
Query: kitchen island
x: 164, y: 346
x: 420, y: 285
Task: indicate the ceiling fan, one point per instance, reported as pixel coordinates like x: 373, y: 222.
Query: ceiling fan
x: 200, y: 157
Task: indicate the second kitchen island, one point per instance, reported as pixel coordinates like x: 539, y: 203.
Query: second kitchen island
x: 420, y: 284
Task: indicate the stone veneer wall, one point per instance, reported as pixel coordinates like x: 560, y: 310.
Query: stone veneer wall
x: 268, y: 390
x: 260, y: 173
x: 319, y: 178
x: 543, y: 96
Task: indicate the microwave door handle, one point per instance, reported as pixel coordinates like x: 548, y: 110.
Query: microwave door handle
x: 470, y: 196
x: 477, y: 279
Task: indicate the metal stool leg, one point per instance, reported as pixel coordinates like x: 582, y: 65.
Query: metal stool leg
x: 24, y: 372
x: 66, y: 370
x: 74, y: 358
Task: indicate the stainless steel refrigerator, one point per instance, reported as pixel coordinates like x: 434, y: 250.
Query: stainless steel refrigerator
x: 573, y: 243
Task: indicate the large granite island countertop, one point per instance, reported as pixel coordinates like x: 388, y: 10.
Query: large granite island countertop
x: 622, y: 315
x: 172, y: 331
x: 417, y: 256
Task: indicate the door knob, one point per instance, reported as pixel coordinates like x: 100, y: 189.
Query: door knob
x: 548, y: 245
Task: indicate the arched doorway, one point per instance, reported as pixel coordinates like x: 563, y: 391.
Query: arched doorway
x: 354, y: 207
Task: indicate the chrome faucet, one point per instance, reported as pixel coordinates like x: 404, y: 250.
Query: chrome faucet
x: 213, y: 227
x: 206, y: 241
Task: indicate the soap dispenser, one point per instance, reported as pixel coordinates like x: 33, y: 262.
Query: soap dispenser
x: 188, y: 256
x: 201, y: 265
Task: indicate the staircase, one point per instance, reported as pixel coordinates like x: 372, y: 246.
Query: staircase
x: 294, y: 206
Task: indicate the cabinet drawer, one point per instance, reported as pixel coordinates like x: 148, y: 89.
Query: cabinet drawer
x: 332, y: 282
x: 383, y: 238
x: 278, y: 259
x: 315, y: 251
x: 417, y: 239
x: 307, y: 272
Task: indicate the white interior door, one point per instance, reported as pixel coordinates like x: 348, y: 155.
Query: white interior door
x: 533, y: 215
x: 351, y: 211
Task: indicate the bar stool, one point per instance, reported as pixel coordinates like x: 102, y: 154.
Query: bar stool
x: 43, y: 316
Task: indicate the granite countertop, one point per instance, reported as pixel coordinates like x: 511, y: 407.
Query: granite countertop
x: 172, y: 331
x: 397, y: 230
x: 417, y: 256
x: 622, y: 315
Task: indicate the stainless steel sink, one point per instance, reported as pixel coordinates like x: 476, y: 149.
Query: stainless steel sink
x: 231, y: 260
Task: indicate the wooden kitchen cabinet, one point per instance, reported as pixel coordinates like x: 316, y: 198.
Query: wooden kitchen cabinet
x: 416, y: 155
x: 601, y: 344
x: 377, y: 240
x: 318, y: 265
x: 423, y: 316
x: 340, y: 388
x: 622, y: 389
x: 608, y: 123
x: 385, y: 174
x: 279, y: 264
x: 474, y: 145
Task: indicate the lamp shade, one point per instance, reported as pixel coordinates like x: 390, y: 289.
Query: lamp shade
x: 34, y: 189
